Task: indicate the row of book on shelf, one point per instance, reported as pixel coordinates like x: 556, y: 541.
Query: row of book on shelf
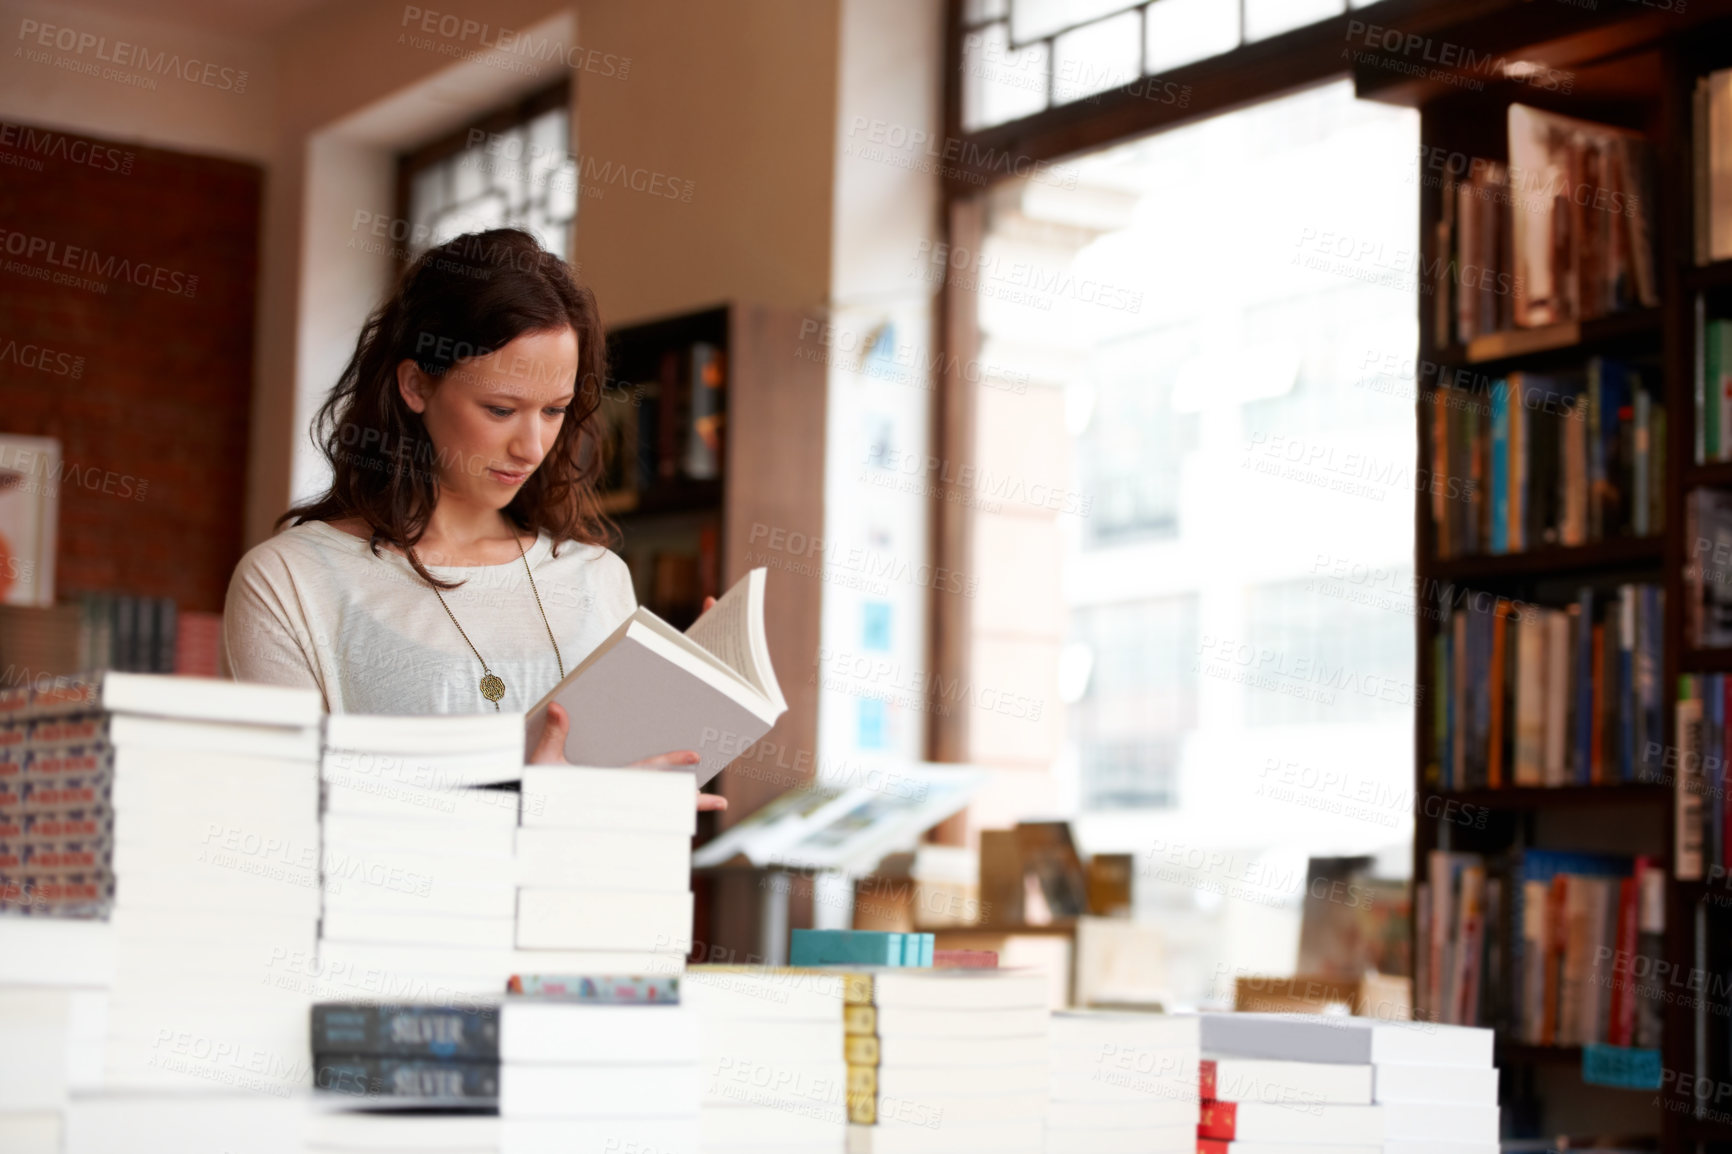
x: 1554, y: 948
x: 393, y: 914
x: 1532, y: 461
x: 1563, y: 232
x: 109, y: 631
x: 656, y: 434
x: 1535, y: 696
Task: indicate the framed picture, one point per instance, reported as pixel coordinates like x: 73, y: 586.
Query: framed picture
x: 29, y: 518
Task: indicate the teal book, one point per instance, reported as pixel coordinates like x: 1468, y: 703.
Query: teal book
x: 847, y: 948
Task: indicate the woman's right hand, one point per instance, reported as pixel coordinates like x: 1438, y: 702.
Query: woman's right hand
x: 550, y: 750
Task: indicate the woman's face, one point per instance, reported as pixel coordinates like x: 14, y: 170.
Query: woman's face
x: 493, y: 419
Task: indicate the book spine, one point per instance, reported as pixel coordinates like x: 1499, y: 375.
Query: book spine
x: 1687, y: 802
x: 1218, y: 1120
x: 423, y: 1080
x: 1500, y: 467
x: 410, y: 1031
x: 606, y: 991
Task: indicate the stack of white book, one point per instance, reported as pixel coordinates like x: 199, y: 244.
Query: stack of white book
x: 1358, y: 1084
x: 774, y: 1078
x: 215, y: 854
x: 577, y: 1077
x: 604, y: 870
x: 54, y: 978
x: 420, y: 826
x: 1123, y: 1083
x: 962, y: 1063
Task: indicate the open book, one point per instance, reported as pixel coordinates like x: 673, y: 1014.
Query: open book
x: 651, y: 689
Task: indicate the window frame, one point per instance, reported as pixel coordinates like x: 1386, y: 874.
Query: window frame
x: 505, y: 117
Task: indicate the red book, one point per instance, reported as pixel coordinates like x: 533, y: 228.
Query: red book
x: 1218, y: 1120
x: 1206, y: 1079
x: 965, y: 959
x: 1210, y: 1146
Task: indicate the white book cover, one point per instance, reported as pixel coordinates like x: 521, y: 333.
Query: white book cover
x: 1296, y: 1083
x: 1328, y: 1038
x: 766, y: 1042
x: 588, y: 797
x: 1012, y: 1137
x: 398, y: 964
x: 298, y: 743
x: 604, y: 859
x: 650, y: 689
x: 31, y: 1132
x: 206, y: 1121
x: 209, y: 699
x: 1440, y: 1122
x: 451, y: 899
x: 329, y: 1125
x: 1095, y: 1028
x: 434, y: 770
x: 960, y: 990
x: 599, y: 1135
x: 923, y: 1022
x: 980, y: 1052
x: 1146, y: 1115
x: 1467, y: 1085
x: 663, y: 1090
x: 926, y: 1083
x: 383, y: 836
x: 491, y: 808
x: 937, y: 1111
x: 218, y: 887
x: 427, y: 928
x: 728, y: 1124
x: 545, y: 1030
x: 441, y: 734
x: 1268, y: 1122
x: 730, y: 994
x: 550, y: 919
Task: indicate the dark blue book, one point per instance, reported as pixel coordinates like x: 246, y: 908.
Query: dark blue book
x: 417, y: 1081
x: 407, y: 1030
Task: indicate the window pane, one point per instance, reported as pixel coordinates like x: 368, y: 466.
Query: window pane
x: 976, y: 11
x: 1139, y: 703
x: 997, y: 84
x: 1096, y: 58
x: 1032, y: 19
x: 1184, y: 31
x: 1271, y: 17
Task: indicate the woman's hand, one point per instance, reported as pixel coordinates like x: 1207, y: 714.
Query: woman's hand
x: 550, y: 750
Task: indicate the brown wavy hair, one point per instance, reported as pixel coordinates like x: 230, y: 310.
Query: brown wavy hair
x: 466, y: 298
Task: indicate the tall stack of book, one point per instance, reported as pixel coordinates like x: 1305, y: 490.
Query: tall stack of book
x: 209, y: 848
x: 1536, y: 696
x: 1529, y: 461
x: 1428, y: 1084
x: 775, y: 1073
x: 1122, y: 1083
x: 578, y: 1073
x: 946, y: 1061
x: 604, y: 870
x: 418, y: 859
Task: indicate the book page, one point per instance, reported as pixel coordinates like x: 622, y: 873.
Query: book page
x: 726, y: 631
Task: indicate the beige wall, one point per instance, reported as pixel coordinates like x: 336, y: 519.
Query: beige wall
x: 737, y: 98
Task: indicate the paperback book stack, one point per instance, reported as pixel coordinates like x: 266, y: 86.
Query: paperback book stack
x: 54, y: 978
x: 1303, y: 1080
x: 774, y: 1073
x: 213, y: 847
x: 1122, y: 1083
x: 946, y: 1061
x: 392, y: 1076
x: 607, y: 1068
x: 420, y: 827
x: 604, y: 868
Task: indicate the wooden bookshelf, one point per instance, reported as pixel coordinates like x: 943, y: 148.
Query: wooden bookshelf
x: 772, y: 462
x: 1639, y: 73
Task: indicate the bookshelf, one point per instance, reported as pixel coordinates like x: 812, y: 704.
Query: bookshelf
x: 773, y: 408
x: 1637, y: 74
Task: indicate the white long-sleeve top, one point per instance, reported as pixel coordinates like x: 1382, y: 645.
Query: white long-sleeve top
x: 313, y: 607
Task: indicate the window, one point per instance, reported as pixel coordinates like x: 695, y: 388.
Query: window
x: 512, y: 168
x: 1021, y: 57
x: 1138, y: 702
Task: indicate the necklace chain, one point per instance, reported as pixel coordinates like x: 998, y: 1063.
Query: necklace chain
x: 492, y: 687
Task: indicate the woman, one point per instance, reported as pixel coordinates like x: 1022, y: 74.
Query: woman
x: 457, y: 562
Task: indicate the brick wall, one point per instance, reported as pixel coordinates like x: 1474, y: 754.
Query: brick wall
x: 140, y: 361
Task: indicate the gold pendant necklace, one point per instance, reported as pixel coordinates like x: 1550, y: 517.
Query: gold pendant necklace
x: 492, y: 686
